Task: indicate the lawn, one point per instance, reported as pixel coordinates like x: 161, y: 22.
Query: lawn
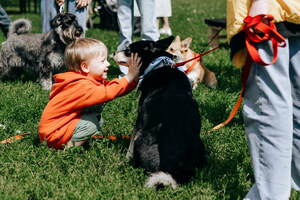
x: 29, y: 170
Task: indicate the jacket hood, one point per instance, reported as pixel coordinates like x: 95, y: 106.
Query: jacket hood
x: 66, y: 79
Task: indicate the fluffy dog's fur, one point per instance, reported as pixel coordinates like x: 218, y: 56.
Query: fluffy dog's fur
x: 38, y: 54
x: 198, y: 73
x: 166, y: 141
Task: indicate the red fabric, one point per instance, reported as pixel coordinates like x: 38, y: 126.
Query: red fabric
x: 71, y: 93
x: 253, y: 26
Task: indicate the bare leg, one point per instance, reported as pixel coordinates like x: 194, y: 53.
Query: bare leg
x: 74, y: 144
x: 166, y: 24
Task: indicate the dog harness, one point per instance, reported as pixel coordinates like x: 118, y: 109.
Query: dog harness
x: 256, y: 31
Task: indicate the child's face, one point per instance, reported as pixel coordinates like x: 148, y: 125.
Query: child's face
x: 98, y: 67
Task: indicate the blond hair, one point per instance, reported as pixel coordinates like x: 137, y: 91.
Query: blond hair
x: 81, y: 50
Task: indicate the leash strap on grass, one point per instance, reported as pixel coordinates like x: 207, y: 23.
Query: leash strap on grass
x: 113, y: 138
x: 256, y: 31
x: 20, y: 136
x: 13, y: 138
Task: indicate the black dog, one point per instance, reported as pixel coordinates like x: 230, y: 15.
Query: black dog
x: 167, y: 129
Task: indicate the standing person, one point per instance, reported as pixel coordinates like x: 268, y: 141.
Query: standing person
x: 4, y: 21
x: 50, y: 8
x: 72, y: 114
x: 272, y: 95
x: 125, y: 19
x: 163, y: 9
x: 163, y: 12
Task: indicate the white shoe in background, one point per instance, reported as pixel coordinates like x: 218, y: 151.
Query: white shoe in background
x: 167, y: 31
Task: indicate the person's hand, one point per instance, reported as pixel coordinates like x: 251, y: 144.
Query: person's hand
x: 134, y: 64
x: 82, y: 3
x: 60, y: 2
x: 258, y: 7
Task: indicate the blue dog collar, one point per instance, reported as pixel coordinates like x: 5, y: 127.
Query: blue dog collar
x: 158, y: 63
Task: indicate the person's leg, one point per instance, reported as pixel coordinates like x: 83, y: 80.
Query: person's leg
x: 166, y: 27
x: 81, y: 14
x: 88, y: 126
x: 158, y: 22
x: 149, y: 30
x: 4, y: 21
x: 268, y: 115
x: 166, y: 24
x: 48, y: 12
x: 125, y: 21
x: 295, y: 81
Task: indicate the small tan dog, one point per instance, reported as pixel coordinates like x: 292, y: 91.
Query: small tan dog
x: 195, y: 70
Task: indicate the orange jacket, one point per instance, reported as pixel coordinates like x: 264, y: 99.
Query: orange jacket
x: 71, y: 93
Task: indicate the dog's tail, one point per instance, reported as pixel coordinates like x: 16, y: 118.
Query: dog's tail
x: 19, y: 26
x: 160, y: 179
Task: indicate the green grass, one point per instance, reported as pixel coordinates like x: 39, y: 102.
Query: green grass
x: 33, y: 171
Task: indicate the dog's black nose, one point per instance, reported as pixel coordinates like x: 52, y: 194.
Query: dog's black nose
x: 79, y: 31
x: 175, y: 57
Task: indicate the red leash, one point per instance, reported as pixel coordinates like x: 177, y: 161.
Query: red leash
x: 196, y: 57
x: 191, y: 67
x: 256, y: 31
x: 254, y: 26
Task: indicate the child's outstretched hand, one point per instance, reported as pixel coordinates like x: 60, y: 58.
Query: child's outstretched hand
x: 134, y: 64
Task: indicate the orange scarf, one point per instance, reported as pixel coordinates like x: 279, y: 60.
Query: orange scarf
x: 71, y: 93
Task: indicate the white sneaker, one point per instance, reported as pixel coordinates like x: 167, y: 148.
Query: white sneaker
x: 165, y: 31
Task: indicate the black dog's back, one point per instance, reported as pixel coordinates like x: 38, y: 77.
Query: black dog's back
x: 168, y: 125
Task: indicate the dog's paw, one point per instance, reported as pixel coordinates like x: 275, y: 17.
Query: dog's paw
x: 160, y: 179
x: 46, y: 84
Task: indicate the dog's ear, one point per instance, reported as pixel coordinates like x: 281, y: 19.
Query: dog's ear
x: 56, y: 21
x: 186, y: 43
x: 177, y: 38
x: 164, y: 43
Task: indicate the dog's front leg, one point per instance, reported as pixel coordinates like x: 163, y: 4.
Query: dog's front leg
x: 45, y: 80
x: 129, y: 154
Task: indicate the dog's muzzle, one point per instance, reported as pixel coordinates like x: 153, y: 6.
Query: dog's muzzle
x: 79, y: 31
x: 120, y: 58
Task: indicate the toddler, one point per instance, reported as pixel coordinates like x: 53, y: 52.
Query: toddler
x: 72, y: 115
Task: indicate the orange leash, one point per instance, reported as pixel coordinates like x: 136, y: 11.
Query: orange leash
x: 20, y: 136
x: 13, y: 138
x: 256, y: 31
x: 244, y: 77
x: 113, y: 138
x: 199, y: 55
x: 191, y: 67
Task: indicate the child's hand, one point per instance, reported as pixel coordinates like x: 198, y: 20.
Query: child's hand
x: 60, y: 2
x: 134, y: 64
x: 82, y: 3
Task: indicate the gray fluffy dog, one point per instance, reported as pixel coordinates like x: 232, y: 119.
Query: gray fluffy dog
x: 38, y: 54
